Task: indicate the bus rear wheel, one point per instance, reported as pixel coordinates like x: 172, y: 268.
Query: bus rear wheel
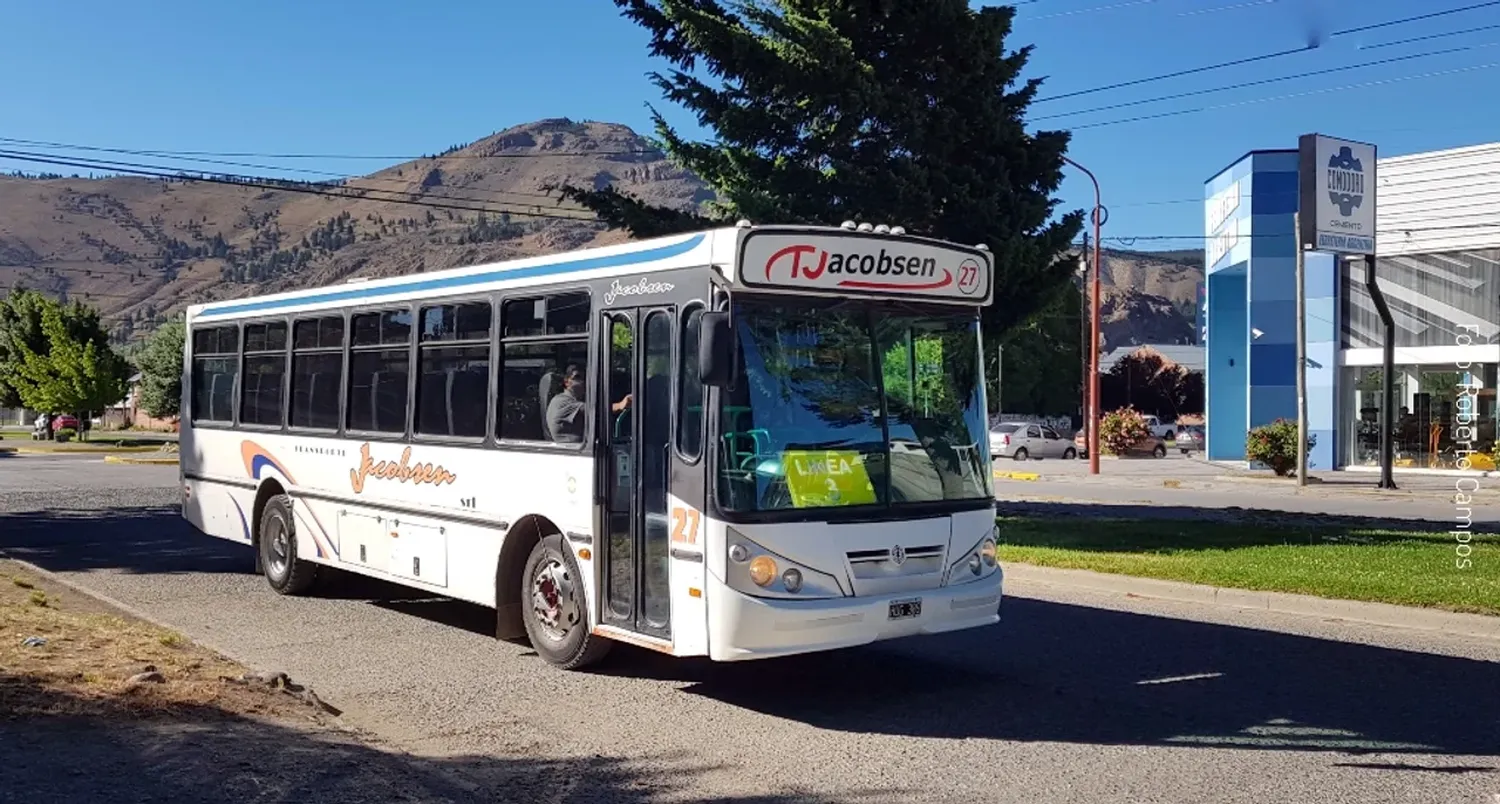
x: 286, y: 573
x: 555, y: 609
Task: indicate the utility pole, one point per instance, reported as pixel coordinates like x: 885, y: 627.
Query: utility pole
x: 1083, y: 338
x: 1100, y: 214
x: 1301, y: 350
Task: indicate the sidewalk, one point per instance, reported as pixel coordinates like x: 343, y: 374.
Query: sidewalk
x: 1469, y: 625
x: 1193, y: 474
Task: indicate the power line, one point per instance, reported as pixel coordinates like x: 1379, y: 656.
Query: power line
x: 1288, y: 96
x: 1261, y: 82
x: 1262, y: 57
x: 160, y: 172
x: 1417, y: 18
x: 398, y: 158
x: 1206, y: 68
x: 108, y: 165
x: 204, y: 160
x: 1428, y: 37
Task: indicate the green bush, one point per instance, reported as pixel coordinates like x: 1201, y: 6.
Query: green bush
x: 1275, y: 445
x: 66, y: 434
x: 1119, y: 430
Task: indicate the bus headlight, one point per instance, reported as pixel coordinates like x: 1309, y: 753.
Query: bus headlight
x: 792, y: 580
x: 979, y: 562
x: 756, y: 571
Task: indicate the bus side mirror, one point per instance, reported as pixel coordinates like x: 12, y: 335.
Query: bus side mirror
x: 715, y: 349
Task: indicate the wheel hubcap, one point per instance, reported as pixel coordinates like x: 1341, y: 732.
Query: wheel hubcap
x: 553, y: 601
x: 281, y: 549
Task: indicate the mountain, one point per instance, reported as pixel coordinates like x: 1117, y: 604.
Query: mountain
x: 141, y: 249
x: 1149, y: 297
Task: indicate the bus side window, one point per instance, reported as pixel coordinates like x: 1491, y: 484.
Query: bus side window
x: 542, y: 339
x: 379, y: 368
x: 215, y: 370
x: 317, y: 371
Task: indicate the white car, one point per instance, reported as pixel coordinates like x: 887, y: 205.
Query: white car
x: 1022, y: 440
x: 1162, y: 431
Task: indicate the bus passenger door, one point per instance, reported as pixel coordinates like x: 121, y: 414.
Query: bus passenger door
x: 634, y: 438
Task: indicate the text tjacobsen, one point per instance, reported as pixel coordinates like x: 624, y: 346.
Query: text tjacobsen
x: 881, y: 264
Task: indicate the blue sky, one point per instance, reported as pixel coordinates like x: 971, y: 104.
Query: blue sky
x: 382, y: 77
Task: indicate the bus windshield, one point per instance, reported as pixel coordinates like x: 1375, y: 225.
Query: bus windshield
x: 852, y: 404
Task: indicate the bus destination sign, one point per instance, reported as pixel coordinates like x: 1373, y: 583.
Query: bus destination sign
x: 863, y: 264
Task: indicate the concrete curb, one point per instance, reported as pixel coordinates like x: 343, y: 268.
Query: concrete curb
x: 85, y: 451
x: 1384, y: 614
x: 141, y: 461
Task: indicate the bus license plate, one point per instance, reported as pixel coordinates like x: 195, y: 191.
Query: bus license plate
x: 905, y: 609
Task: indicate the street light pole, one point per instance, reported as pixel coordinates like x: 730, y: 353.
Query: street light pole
x: 1098, y: 216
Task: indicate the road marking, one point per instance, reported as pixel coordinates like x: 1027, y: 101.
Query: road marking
x: 1017, y: 476
x: 1175, y: 679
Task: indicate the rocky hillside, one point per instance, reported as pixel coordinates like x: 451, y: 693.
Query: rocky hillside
x: 140, y: 249
x: 1149, y: 297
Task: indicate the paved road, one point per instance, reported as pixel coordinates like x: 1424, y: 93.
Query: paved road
x: 1073, y: 698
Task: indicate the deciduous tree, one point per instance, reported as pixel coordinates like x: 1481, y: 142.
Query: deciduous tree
x: 73, y: 370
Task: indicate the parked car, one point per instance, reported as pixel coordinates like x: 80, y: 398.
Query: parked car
x: 1162, y: 431
x: 1023, y: 440
x: 1152, y: 445
x: 1190, y: 438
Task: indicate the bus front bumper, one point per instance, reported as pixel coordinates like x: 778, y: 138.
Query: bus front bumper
x: 744, y: 627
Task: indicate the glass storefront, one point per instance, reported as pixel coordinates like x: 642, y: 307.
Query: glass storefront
x: 1443, y: 413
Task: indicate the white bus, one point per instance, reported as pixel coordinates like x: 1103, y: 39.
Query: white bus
x: 740, y: 443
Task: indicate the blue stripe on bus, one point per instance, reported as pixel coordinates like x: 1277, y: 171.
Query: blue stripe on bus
x: 404, y: 288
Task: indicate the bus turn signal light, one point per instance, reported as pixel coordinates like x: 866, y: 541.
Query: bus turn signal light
x: 762, y: 570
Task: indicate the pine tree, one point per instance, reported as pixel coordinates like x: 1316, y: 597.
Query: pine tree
x: 904, y: 112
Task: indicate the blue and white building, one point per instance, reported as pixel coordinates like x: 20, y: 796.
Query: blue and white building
x: 1438, y: 264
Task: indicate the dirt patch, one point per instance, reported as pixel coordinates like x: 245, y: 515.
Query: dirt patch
x: 98, y: 706
x: 67, y: 654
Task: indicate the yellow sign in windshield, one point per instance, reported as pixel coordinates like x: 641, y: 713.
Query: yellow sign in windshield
x: 823, y: 478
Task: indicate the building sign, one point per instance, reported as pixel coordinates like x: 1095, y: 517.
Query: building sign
x: 1219, y: 211
x: 1202, y: 305
x: 864, y: 264
x: 1336, y: 179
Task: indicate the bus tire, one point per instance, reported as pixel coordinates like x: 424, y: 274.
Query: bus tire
x: 286, y: 573
x: 554, y: 607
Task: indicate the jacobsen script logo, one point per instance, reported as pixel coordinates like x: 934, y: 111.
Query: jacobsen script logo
x: 403, y: 471
x: 641, y: 288
x: 885, y: 271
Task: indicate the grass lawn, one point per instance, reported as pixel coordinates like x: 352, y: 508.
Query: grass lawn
x: 98, y: 441
x: 1347, y: 562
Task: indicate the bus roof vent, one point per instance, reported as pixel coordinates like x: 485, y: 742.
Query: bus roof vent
x: 744, y: 223
x: 882, y: 229
x: 850, y: 225
x: 982, y: 247
x: 898, y: 230
x: 865, y: 227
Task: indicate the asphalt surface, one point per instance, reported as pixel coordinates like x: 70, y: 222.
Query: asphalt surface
x: 1074, y: 697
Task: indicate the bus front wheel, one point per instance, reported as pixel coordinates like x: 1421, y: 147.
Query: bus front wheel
x: 286, y: 573
x: 554, y: 608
